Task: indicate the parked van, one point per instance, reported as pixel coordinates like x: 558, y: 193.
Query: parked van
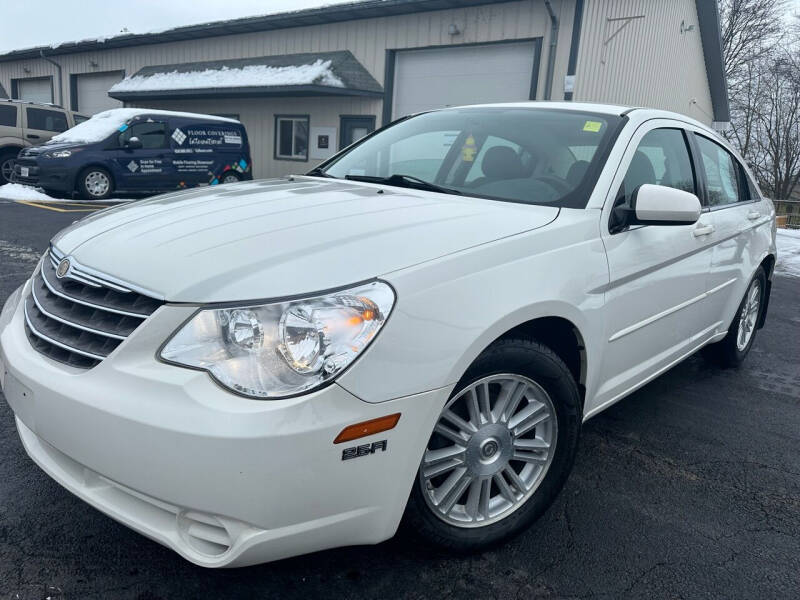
x: 25, y: 124
x: 136, y: 150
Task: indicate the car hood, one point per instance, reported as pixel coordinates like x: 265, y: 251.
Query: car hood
x: 274, y: 238
x: 49, y: 147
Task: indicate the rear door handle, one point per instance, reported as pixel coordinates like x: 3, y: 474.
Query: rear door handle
x: 753, y: 215
x: 701, y: 230
x: 31, y: 136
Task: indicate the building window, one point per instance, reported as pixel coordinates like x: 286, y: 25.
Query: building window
x: 291, y: 137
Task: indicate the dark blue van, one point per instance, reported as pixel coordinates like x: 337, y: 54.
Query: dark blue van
x: 140, y: 151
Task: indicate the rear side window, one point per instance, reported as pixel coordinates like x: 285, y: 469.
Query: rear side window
x: 662, y: 158
x: 152, y: 135
x: 722, y: 173
x: 8, y: 115
x: 46, y: 120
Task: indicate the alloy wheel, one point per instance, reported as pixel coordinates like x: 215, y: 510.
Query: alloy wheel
x: 97, y: 183
x: 489, y: 451
x: 748, y: 315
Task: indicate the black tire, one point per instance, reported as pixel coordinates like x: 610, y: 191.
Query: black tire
x: 7, y: 158
x: 233, y: 176
x: 726, y: 352
x: 538, y: 363
x: 92, y: 192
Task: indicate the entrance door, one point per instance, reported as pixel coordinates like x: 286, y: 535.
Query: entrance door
x: 353, y: 128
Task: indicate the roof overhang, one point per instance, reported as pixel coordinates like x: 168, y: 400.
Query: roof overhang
x: 350, y: 11
x: 710, y: 36
x: 323, y: 74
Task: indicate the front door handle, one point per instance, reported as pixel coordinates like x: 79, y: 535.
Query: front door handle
x: 703, y: 230
x: 32, y: 136
x: 753, y: 215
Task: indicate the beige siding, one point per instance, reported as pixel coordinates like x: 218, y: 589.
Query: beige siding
x: 649, y: 62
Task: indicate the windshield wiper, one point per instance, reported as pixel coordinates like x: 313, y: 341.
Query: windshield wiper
x: 319, y: 173
x: 401, y: 180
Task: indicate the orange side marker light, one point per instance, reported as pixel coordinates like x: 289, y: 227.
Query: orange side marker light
x: 365, y: 428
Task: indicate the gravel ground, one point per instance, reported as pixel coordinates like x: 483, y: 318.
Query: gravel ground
x: 689, y: 488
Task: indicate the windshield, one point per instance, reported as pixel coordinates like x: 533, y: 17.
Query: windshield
x: 528, y: 155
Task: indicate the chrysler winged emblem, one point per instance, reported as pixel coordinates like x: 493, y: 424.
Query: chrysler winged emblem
x: 63, y: 268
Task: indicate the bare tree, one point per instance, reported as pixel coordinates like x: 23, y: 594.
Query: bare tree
x: 762, y: 57
x: 749, y: 29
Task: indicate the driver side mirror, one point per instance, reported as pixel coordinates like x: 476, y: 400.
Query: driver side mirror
x: 656, y: 205
x: 133, y: 144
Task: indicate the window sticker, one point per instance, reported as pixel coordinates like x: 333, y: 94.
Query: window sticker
x: 468, y: 150
x: 123, y: 127
x: 593, y: 126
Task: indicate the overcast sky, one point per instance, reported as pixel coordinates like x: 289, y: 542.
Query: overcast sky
x: 26, y: 23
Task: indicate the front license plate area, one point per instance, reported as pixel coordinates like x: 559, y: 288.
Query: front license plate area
x: 24, y: 171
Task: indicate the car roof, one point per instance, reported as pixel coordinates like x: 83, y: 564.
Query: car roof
x: 639, y: 112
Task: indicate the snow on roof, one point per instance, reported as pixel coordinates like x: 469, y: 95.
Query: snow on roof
x: 103, y: 124
x: 317, y: 73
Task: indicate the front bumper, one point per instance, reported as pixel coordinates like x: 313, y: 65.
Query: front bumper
x: 50, y: 177
x: 223, y: 480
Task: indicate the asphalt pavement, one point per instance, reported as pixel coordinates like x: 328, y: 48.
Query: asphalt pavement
x: 689, y: 488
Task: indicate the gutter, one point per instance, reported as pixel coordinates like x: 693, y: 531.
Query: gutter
x: 60, y: 76
x: 551, y: 54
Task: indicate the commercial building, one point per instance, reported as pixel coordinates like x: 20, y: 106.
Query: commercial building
x: 309, y: 82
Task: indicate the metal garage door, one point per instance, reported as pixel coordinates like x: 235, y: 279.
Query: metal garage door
x: 92, y: 92
x: 425, y: 79
x: 35, y: 90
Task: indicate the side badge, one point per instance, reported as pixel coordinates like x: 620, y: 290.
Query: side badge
x: 363, y: 450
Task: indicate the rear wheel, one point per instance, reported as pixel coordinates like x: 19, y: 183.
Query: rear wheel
x: 229, y: 177
x: 734, y: 347
x: 501, y: 450
x: 7, y: 161
x: 95, y: 183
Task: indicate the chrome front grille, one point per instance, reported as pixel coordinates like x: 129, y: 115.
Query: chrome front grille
x: 81, y: 318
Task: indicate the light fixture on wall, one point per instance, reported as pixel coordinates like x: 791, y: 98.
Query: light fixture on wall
x: 26, y: 69
x: 686, y: 28
x: 92, y: 63
x: 453, y: 29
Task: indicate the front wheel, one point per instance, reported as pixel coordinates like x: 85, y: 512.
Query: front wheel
x: 95, y: 183
x: 734, y: 347
x: 7, y: 161
x: 500, y: 451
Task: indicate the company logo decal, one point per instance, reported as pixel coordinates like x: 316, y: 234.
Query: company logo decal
x: 178, y: 136
x: 132, y: 166
x: 63, y: 268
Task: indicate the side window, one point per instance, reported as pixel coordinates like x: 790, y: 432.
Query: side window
x: 152, y: 135
x: 79, y: 118
x: 722, y: 173
x: 8, y: 115
x: 46, y: 120
x: 749, y: 189
x: 662, y: 158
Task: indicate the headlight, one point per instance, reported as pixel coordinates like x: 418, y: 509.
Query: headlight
x: 59, y: 154
x: 285, y: 348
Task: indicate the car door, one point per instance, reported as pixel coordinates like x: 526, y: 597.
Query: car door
x: 41, y: 124
x: 658, y: 274
x: 741, y: 227
x: 148, y: 168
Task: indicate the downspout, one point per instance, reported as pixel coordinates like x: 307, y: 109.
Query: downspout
x: 60, y: 82
x: 551, y: 55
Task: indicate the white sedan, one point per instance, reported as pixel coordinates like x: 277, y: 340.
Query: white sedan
x: 415, y: 330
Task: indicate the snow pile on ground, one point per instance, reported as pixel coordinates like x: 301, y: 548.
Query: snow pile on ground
x: 26, y: 193
x: 319, y: 72
x: 788, y: 242
x: 103, y: 124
